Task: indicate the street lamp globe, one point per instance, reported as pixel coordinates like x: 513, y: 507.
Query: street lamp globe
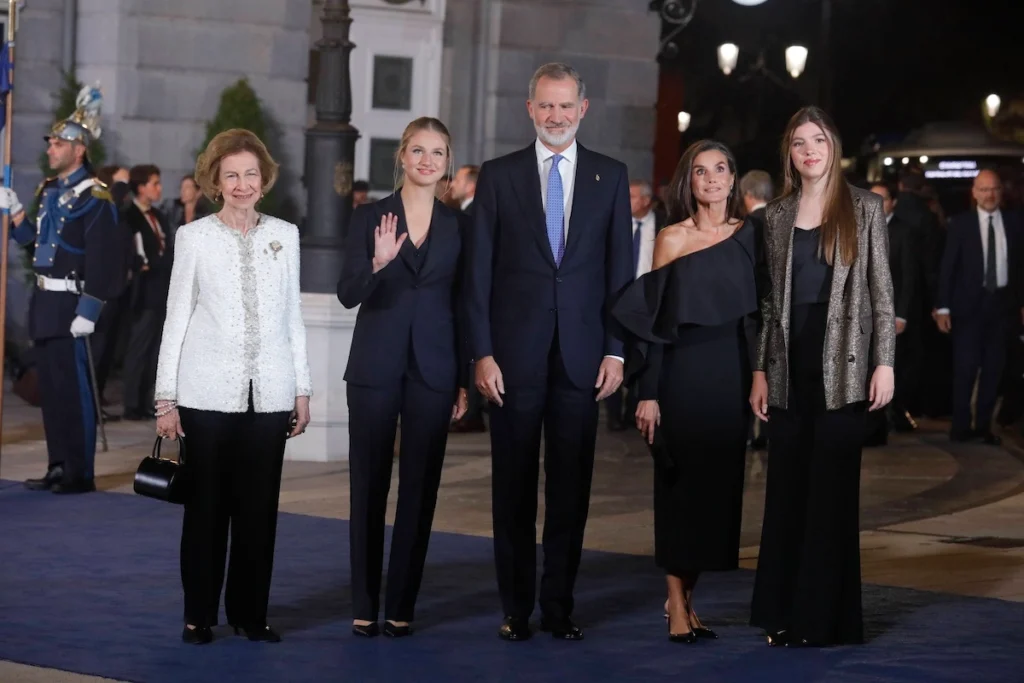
x: 683, y: 121
x: 796, y: 60
x: 992, y: 104
x: 750, y: 3
x: 728, y: 55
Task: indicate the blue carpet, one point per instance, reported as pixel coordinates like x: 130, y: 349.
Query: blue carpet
x: 90, y: 584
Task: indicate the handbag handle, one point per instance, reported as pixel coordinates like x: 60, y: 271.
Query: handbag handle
x: 181, y: 448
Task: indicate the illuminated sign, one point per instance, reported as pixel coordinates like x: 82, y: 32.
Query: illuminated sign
x: 953, y: 169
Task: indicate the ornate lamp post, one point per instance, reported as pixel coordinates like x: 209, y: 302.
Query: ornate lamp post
x: 330, y: 150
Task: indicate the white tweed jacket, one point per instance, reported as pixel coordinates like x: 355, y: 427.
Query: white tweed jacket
x: 234, y: 317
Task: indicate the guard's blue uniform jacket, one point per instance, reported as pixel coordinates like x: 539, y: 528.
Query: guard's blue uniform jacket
x: 75, y: 235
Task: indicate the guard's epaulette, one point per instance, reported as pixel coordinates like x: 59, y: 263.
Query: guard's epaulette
x: 100, y: 191
x: 44, y: 183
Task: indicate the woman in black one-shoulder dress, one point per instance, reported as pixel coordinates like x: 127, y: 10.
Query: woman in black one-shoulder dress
x: 690, y: 352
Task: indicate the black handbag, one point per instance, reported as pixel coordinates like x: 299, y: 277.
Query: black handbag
x: 161, y: 478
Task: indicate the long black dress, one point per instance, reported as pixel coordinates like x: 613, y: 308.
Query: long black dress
x: 691, y: 355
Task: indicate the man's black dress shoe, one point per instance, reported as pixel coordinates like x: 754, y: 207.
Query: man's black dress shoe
x: 74, y: 486
x: 259, y: 634
x: 200, y: 635
x: 395, y: 631
x: 514, y: 628
x: 563, y: 629
x: 47, y: 481
x: 370, y: 630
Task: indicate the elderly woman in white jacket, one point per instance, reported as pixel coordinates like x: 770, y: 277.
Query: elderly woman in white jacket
x: 234, y: 378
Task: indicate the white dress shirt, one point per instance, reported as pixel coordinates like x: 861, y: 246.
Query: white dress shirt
x: 647, y: 235
x: 566, y: 169
x: 1002, y: 265
x: 234, y: 317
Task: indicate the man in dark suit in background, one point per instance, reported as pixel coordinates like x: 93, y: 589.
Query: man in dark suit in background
x: 550, y: 249
x: 149, y: 290
x: 979, y: 297
x: 927, y: 347
x: 463, y: 191
x: 903, y: 266
x: 757, y: 189
x: 646, y: 225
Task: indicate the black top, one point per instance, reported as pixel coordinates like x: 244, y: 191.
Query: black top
x: 417, y: 254
x: 812, y: 276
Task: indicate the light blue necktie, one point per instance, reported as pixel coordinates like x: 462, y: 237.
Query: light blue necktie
x: 555, y: 211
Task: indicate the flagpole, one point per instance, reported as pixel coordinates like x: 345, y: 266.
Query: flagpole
x: 5, y: 230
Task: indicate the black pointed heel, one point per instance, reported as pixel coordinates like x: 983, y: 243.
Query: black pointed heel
x: 704, y: 632
x: 261, y: 634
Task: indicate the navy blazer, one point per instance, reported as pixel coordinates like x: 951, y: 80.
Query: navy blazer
x: 518, y: 298
x: 404, y: 314
x: 962, y: 273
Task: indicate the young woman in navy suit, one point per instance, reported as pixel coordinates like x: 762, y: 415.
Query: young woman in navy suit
x: 403, y: 268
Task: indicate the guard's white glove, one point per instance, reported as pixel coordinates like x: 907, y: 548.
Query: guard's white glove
x: 9, y: 201
x: 82, y: 327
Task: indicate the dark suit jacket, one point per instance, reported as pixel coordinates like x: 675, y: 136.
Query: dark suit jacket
x: 150, y: 285
x: 404, y: 314
x: 927, y: 238
x: 962, y: 273
x: 518, y: 298
x: 903, y: 263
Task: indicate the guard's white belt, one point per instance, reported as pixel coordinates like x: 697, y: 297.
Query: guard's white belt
x: 54, y: 284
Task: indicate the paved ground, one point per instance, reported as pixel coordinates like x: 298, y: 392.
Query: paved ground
x: 935, y: 515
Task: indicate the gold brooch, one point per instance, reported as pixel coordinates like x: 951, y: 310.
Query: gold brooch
x: 275, y: 246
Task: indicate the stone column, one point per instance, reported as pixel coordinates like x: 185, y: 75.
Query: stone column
x: 330, y: 150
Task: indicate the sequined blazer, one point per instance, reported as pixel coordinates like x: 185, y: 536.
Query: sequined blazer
x: 234, y: 317
x: 861, y: 330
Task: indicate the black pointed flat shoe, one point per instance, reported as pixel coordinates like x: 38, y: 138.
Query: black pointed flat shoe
x: 396, y: 631
x: 260, y: 634
x: 371, y: 630
x: 201, y: 635
x: 777, y: 638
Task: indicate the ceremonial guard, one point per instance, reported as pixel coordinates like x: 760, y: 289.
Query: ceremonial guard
x: 78, y: 265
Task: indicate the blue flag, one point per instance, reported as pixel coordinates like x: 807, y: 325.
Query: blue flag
x: 6, y: 67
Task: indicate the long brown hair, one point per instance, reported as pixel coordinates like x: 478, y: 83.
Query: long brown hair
x: 680, y: 202
x: 433, y: 125
x: 838, y: 219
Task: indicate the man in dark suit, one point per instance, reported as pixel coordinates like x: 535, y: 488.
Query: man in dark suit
x: 621, y: 405
x: 463, y: 191
x: 926, y: 346
x: 757, y: 189
x: 979, y: 296
x: 550, y: 249
x: 149, y: 294
x: 903, y: 266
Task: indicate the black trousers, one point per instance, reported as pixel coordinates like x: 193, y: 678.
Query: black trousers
x: 234, y: 464
x: 141, y: 359
x: 373, y: 421
x: 979, y: 343
x: 69, y: 411
x: 808, y: 569
x: 568, y: 416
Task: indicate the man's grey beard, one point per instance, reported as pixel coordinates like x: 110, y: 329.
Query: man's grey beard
x: 556, y: 139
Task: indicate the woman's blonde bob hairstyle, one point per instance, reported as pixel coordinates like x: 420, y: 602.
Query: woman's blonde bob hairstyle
x: 233, y: 141
x: 433, y: 125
